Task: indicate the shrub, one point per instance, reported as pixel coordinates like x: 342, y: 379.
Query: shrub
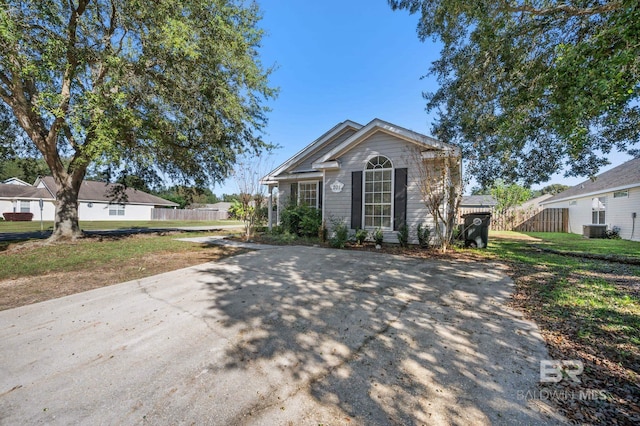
x: 424, y: 236
x: 378, y: 236
x: 361, y: 235
x: 340, y: 234
x: 303, y: 221
x: 403, y: 236
x: 613, y: 233
x: 310, y: 221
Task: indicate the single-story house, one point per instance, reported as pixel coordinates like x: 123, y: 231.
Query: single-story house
x: 220, y: 206
x: 366, y: 176
x: 95, y: 201
x: 16, y: 181
x: 611, y: 199
x: 486, y: 202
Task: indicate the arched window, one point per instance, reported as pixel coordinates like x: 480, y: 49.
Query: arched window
x: 378, y: 193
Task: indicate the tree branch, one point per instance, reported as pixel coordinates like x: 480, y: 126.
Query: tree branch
x: 564, y: 8
x: 69, y: 73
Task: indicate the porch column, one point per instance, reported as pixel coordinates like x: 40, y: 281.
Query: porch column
x: 270, y: 203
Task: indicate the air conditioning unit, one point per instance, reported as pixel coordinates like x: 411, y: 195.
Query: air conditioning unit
x: 594, y: 231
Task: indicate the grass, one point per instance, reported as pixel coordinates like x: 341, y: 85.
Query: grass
x: 586, y: 308
x: 36, y: 271
x: 34, y: 226
x: 578, y: 244
x: 86, y: 254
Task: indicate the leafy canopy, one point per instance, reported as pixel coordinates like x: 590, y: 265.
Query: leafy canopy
x: 164, y: 87
x: 528, y: 87
x: 508, y: 196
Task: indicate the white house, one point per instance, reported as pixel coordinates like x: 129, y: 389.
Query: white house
x: 365, y: 176
x: 95, y: 201
x: 611, y: 199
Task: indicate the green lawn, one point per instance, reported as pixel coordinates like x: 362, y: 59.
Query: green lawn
x: 587, y: 309
x: 86, y: 254
x: 6, y: 227
x: 578, y: 244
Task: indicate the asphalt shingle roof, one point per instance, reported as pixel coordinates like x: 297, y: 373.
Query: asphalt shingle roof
x: 625, y: 174
x: 100, y: 191
x: 478, y: 200
x: 22, y: 191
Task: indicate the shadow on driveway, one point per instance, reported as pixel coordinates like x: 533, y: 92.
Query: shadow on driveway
x: 383, y: 339
x: 292, y: 335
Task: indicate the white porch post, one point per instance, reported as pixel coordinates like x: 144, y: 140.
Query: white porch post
x: 270, y: 212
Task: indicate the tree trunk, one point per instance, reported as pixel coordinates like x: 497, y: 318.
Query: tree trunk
x: 66, y: 226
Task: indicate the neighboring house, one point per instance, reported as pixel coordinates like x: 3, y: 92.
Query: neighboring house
x: 364, y: 176
x: 221, y: 206
x: 478, y: 202
x: 611, y: 198
x: 475, y: 204
x: 18, y: 198
x: 94, y: 201
x: 16, y: 181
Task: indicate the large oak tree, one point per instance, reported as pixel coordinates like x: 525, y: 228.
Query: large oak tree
x: 528, y: 87
x: 174, y: 87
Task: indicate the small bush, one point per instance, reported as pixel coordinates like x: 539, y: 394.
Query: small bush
x: 340, y: 234
x: 613, y: 233
x: 403, y: 236
x: 378, y: 236
x: 424, y: 236
x: 361, y: 235
x: 303, y: 221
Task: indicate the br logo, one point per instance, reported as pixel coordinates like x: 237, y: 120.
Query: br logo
x: 554, y: 371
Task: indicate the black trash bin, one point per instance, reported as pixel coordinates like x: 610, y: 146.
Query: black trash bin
x: 476, y: 229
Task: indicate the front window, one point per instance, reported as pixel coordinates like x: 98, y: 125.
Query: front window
x: 308, y: 194
x: 25, y: 207
x: 598, y: 206
x: 377, y: 193
x: 116, y: 210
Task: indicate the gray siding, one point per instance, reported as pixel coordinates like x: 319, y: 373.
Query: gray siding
x: 337, y: 206
x: 306, y: 163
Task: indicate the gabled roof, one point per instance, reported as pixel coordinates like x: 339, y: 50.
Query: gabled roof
x: 16, y: 181
x: 92, y: 191
x: 313, y: 147
x: 8, y: 190
x: 478, y: 200
x: 328, y: 160
x: 626, y: 175
x: 377, y: 125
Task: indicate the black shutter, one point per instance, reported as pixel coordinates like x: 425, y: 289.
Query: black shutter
x: 400, y: 199
x: 294, y: 194
x: 320, y: 193
x: 356, y: 200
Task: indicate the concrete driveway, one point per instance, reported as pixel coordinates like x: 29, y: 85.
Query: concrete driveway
x: 292, y: 335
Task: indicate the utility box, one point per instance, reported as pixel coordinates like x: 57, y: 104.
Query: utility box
x: 476, y: 229
x: 594, y: 231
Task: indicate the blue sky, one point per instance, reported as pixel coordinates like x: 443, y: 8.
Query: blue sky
x: 338, y: 60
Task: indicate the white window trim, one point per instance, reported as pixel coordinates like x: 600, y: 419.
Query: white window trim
x: 26, y: 203
x: 598, y: 210
x: 393, y: 193
x: 117, y: 208
x: 625, y: 191
x: 308, y: 182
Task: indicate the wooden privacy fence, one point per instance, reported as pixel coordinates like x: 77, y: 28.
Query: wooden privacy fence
x: 175, y: 214
x: 532, y: 220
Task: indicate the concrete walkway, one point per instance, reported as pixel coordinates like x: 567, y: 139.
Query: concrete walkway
x: 295, y: 335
